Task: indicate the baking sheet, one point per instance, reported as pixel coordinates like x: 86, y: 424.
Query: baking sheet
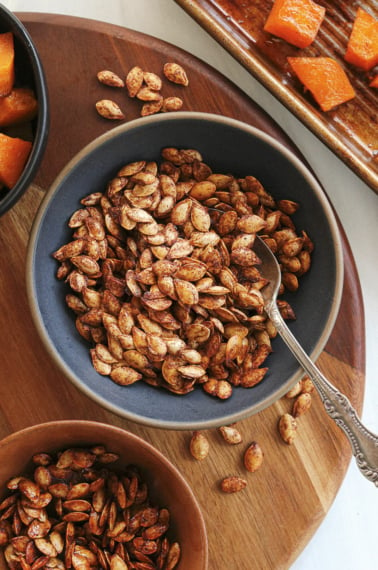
x: 350, y: 130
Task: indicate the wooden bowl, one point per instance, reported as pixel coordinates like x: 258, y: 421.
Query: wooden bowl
x: 28, y: 73
x: 167, y: 487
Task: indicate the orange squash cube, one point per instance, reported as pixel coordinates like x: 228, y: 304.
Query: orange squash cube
x: 18, y: 107
x: 7, y: 73
x: 362, y: 49
x: 295, y: 21
x: 374, y: 82
x: 14, y: 153
x: 324, y: 78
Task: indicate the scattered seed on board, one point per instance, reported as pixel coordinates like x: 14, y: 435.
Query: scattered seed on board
x: 199, y: 446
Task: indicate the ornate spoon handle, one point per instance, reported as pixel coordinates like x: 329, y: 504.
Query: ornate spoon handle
x: 364, y: 443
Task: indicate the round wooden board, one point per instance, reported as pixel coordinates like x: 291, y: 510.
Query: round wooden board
x: 266, y: 525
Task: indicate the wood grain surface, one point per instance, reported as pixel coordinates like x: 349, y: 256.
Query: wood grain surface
x: 268, y: 524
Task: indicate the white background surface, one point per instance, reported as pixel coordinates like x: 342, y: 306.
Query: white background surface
x: 348, y: 537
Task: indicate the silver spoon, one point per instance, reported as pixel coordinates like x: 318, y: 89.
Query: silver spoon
x: 364, y: 443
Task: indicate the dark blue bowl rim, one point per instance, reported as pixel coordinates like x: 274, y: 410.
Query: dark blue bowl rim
x: 113, y: 407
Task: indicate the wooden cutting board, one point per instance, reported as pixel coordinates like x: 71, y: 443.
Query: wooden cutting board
x: 268, y: 524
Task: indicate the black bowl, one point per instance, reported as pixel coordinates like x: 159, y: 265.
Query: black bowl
x: 226, y: 145
x: 29, y: 73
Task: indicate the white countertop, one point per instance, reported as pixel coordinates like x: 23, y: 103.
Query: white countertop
x: 347, y: 538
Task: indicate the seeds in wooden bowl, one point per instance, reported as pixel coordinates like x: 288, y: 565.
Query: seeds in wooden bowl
x: 76, y: 510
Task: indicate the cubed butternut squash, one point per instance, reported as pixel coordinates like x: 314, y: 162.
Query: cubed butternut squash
x: 374, y: 82
x: 324, y: 78
x: 7, y: 71
x: 362, y: 49
x: 14, y: 153
x: 18, y: 107
x: 295, y: 21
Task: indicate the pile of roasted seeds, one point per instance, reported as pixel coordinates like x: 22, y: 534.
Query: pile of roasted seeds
x: 165, y: 282
x: 76, y: 511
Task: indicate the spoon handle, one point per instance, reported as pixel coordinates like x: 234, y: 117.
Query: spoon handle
x: 364, y: 443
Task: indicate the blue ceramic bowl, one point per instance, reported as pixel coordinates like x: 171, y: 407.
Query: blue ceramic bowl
x: 226, y: 145
x: 29, y: 73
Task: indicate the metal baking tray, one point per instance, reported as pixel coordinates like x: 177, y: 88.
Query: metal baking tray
x: 350, y: 130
